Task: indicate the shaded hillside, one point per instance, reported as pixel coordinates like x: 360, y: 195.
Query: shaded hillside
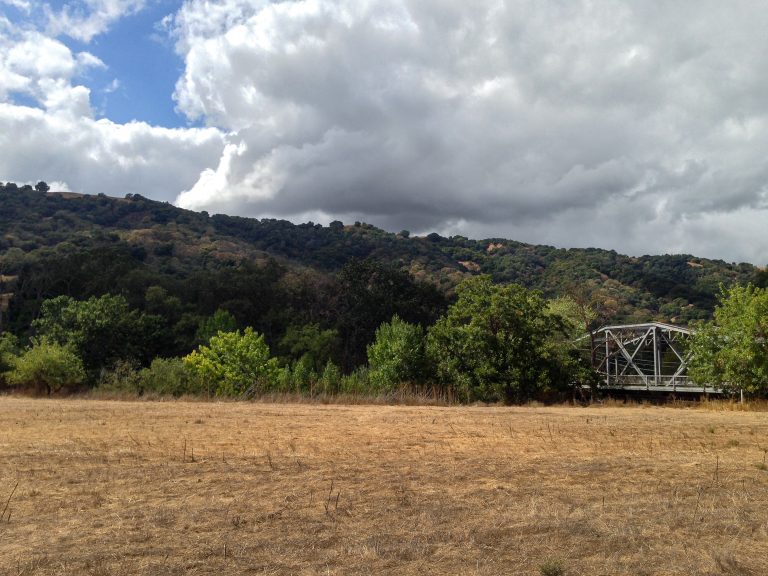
x: 95, y: 244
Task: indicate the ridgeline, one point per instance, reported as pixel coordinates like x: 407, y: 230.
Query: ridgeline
x: 79, y: 245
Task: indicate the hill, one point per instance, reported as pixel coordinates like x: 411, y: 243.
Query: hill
x: 135, y: 232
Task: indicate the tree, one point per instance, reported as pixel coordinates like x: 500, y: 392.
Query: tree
x: 234, y: 363
x: 48, y: 366
x: 397, y: 355
x: 370, y: 293
x: 318, y: 346
x: 100, y: 330
x: 732, y: 351
x: 330, y: 379
x: 497, y: 343
x: 220, y: 321
x: 9, y: 349
x: 168, y: 376
x: 42, y: 187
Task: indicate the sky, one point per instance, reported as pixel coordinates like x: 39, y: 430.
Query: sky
x: 634, y: 125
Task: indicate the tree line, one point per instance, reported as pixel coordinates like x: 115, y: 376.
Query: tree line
x: 494, y: 343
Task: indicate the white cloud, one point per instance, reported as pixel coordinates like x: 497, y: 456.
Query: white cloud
x: 93, y: 156
x: 23, y: 5
x: 43, y: 69
x: 58, y: 139
x: 576, y: 123
x: 84, y: 19
x: 628, y: 124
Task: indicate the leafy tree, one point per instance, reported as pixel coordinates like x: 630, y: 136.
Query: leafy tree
x: 760, y: 278
x: 168, y: 376
x: 732, y: 351
x: 370, y: 293
x: 496, y: 343
x: 303, y: 375
x: 220, y: 321
x: 234, y: 363
x: 48, y: 366
x: 158, y: 301
x: 397, y: 355
x: 318, y: 346
x: 100, y: 330
x: 42, y: 187
x: 9, y: 349
x: 330, y: 379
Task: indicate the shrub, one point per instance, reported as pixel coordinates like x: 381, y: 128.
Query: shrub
x: 8, y: 352
x: 123, y: 377
x: 169, y: 376
x: 397, y: 355
x: 330, y: 380
x: 552, y: 568
x: 49, y: 367
x: 358, y: 382
x: 234, y: 364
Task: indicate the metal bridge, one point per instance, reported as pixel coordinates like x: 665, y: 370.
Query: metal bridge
x: 650, y: 357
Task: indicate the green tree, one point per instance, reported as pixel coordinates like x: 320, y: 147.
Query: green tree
x: 100, y: 330
x: 9, y: 349
x: 47, y: 366
x: 220, y: 321
x: 732, y: 351
x: 318, y: 345
x: 397, y: 355
x: 234, y: 363
x: 168, y: 376
x: 330, y: 379
x: 370, y: 293
x: 497, y: 343
x: 42, y: 187
x: 303, y: 375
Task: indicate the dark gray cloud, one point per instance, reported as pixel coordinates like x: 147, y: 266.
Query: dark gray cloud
x: 633, y: 125
x: 637, y: 125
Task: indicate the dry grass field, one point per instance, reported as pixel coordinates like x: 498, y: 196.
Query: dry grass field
x: 243, y: 488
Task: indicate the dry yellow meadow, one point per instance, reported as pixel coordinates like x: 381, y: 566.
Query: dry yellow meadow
x: 99, y: 487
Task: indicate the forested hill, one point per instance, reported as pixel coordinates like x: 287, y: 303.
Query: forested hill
x: 78, y: 245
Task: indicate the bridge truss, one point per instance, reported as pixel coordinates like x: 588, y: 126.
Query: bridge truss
x: 651, y: 357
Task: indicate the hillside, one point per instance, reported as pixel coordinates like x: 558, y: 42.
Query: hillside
x: 109, y: 237
x: 34, y: 225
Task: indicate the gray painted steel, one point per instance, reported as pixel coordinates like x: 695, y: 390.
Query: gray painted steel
x: 652, y: 357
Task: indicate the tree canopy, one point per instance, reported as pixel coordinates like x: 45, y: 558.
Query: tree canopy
x: 497, y: 342
x: 731, y: 352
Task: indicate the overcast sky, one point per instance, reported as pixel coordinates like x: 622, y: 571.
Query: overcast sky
x: 634, y: 125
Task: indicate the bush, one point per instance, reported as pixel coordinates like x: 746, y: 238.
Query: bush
x: 552, y: 568
x: 123, y: 377
x: 234, y: 364
x: 358, y: 382
x: 397, y: 355
x: 303, y: 375
x: 330, y: 380
x: 49, y: 367
x: 169, y: 376
x: 8, y: 352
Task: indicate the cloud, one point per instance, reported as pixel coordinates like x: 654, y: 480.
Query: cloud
x: 101, y: 156
x: 625, y: 124
x: 53, y: 135
x: 532, y: 119
x: 22, y: 5
x: 85, y: 19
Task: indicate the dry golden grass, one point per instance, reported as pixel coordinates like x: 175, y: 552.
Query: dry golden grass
x: 241, y: 488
